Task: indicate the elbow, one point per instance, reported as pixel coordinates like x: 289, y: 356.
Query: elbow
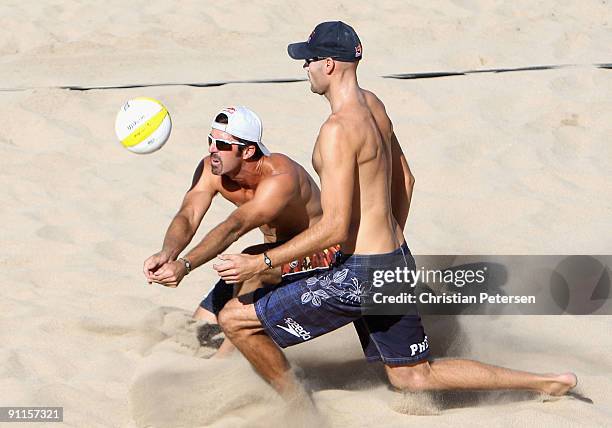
x: 189, y: 217
x: 338, y: 233
x: 410, y: 179
x: 186, y: 222
x: 339, y: 238
x: 336, y: 239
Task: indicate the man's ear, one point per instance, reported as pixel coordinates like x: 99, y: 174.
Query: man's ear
x: 330, y: 64
x: 249, y: 151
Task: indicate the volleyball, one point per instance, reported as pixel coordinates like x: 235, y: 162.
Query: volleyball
x: 143, y: 125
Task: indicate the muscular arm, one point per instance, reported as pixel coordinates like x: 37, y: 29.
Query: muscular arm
x: 271, y: 197
x: 195, y: 205
x: 402, y: 183
x: 337, y: 173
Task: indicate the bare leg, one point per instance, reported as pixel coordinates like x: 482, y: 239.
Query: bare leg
x: 243, y: 328
x: 241, y: 325
x: 242, y: 289
x: 226, y: 347
x: 204, y: 315
x: 453, y: 374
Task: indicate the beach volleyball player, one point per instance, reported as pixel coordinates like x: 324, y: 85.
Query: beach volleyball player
x: 366, y: 189
x: 271, y: 192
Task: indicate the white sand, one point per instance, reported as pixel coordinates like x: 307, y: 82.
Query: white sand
x: 514, y: 163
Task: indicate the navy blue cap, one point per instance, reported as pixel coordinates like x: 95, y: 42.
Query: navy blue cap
x: 333, y: 39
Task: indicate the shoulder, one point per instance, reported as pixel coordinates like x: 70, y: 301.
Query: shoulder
x: 378, y: 109
x: 374, y: 103
x: 333, y: 129
x: 282, y: 171
x: 372, y: 99
x: 279, y: 164
x: 279, y: 188
x: 279, y: 160
x: 336, y: 143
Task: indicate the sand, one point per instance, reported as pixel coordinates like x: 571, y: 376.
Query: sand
x: 511, y: 163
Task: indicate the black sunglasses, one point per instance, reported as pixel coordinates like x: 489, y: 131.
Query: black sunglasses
x: 223, y: 145
x: 315, y: 59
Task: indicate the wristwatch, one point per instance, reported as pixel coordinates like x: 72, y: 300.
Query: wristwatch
x: 267, y: 261
x: 187, y: 264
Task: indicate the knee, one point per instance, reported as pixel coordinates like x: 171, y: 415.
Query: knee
x: 204, y: 315
x: 410, y: 378
x: 227, y: 319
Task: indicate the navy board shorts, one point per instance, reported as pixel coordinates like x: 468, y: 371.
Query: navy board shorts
x: 314, y: 302
x: 305, y: 306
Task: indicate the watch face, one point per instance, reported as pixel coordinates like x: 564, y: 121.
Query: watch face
x: 187, y: 264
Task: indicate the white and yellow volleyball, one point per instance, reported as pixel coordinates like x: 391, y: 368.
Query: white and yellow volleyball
x: 143, y: 125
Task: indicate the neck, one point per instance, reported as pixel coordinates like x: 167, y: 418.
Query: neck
x: 344, y: 88
x: 249, y: 175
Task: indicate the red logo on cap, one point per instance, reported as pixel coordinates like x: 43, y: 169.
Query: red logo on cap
x: 230, y: 110
x: 357, y: 51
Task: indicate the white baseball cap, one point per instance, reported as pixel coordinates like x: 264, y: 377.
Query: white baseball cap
x: 242, y: 123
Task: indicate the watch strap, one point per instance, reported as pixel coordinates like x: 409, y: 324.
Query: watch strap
x: 267, y: 261
x: 187, y: 264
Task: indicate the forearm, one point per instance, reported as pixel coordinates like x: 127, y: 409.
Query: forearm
x: 322, y: 235
x: 178, y: 236
x: 214, y: 243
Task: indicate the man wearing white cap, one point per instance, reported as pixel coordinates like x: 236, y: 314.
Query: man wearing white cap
x: 271, y: 192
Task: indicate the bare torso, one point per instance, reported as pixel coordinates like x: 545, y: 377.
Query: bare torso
x: 368, y: 131
x: 303, y: 207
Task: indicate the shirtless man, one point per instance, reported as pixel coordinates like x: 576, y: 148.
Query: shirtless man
x: 366, y: 188
x: 271, y: 191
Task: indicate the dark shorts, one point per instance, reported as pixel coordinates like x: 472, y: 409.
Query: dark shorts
x: 222, y: 292
x: 216, y: 298
x: 308, y: 305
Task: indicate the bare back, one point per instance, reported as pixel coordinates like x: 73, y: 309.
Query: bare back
x: 367, y: 133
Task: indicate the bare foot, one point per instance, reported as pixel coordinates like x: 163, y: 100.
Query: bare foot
x: 561, y: 384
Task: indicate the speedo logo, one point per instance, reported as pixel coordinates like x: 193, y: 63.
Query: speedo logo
x: 294, y: 328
